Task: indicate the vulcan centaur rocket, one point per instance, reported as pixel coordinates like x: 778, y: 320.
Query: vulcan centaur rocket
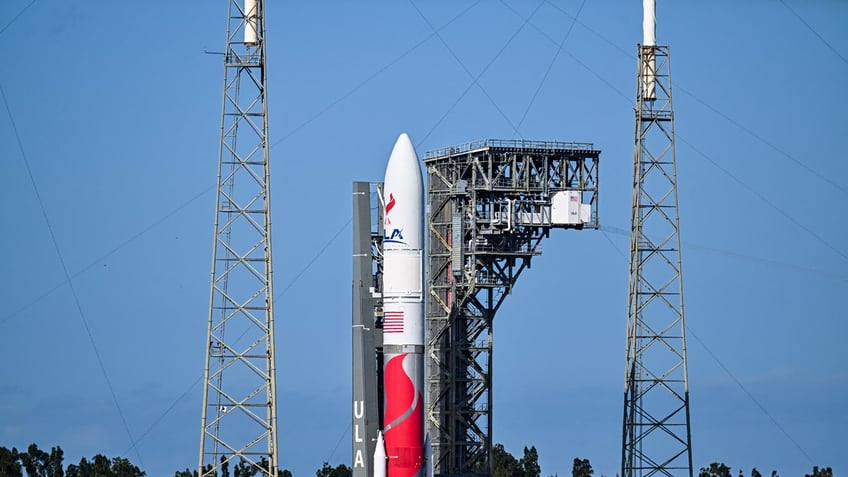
x: 403, y: 322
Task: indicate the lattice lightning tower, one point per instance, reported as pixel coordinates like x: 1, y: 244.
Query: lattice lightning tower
x: 656, y: 435
x: 239, y: 419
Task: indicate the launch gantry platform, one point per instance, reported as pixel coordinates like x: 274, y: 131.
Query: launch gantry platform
x: 490, y: 204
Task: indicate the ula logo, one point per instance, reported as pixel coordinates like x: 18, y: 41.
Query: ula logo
x: 395, y: 237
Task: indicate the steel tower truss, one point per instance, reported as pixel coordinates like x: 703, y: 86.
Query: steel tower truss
x: 490, y: 204
x: 239, y: 420
x: 656, y: 435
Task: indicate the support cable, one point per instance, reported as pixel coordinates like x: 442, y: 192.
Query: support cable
x: 372, y: 76
x: 720, y: 363
x: 731, y: 175
x: 106, y: 255
x: 765, y: 200
x: 677, y: 86
x: 294, y: 281
x: 482, y: 72
x: 756, y: 136
x: 15, y: 18
x: 751, y: 396
x: 813, y: 30
x: 465, y: 68
x: 338, y: 443
x: 314, y: 258
x: 167, y: 411
x: 605, y: 229
x: 68, y: 277
x: 550, y: 66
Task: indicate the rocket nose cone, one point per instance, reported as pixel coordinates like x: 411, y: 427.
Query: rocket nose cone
x: 403, y: 147
x: 403, y: 196
x: 403, y: 169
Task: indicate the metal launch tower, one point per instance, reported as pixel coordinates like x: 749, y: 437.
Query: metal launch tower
x: 489, y: 206
x: 239, y: 418
x: 656, y: 438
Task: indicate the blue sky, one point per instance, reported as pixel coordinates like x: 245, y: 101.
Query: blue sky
x: 114, y: 108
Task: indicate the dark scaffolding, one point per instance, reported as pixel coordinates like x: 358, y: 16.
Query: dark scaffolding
x: 490, y: 204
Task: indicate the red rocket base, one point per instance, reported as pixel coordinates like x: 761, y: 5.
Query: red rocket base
x: 404, y: 416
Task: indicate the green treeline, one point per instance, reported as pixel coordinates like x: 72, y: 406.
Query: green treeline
x: 38, y: 463
x: 719, y: 469
x: 35, y: 462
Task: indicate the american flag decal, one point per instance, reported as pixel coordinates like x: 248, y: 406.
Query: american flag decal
x: 393, y: 322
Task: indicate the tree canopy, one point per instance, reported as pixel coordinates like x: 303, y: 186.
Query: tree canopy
x: 505, y: 464
x: 716, y: 469
x: 329, y: 471
x: 581, y: 468
x: 35, y: 462
x: 38, y: 463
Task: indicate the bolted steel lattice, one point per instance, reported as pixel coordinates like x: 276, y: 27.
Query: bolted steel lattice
x: 655, y: 432
x: 239, y: 418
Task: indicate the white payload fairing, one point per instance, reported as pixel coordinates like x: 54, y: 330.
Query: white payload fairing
x: 403, y: 312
